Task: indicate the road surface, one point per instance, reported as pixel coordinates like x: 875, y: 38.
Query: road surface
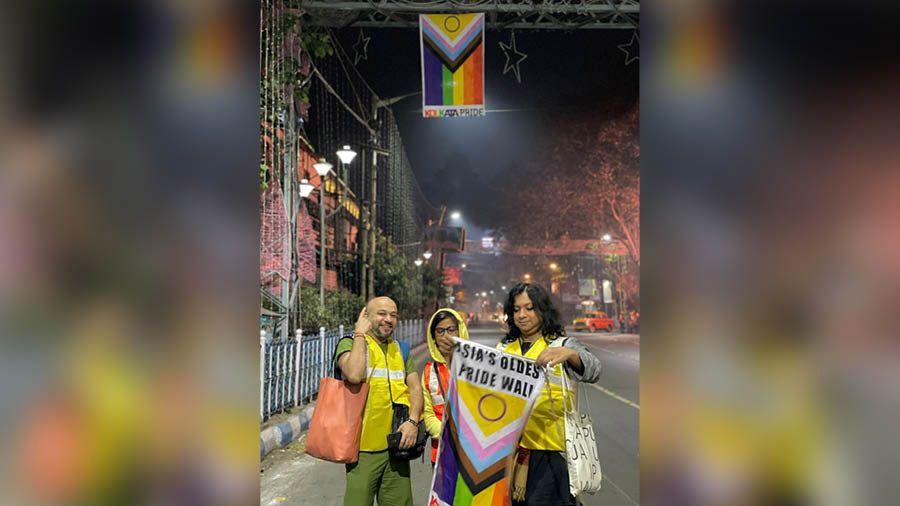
x: 290, y: 477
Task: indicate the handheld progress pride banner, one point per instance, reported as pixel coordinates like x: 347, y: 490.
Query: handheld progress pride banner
x: 489, y: 400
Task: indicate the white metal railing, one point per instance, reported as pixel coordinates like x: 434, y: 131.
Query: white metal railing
x: 290, y: 370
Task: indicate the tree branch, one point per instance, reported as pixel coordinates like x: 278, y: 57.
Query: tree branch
x: 629, y: 238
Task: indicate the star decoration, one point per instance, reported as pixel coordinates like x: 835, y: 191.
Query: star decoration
x: 626, y: 48
x: 511, y: 47
x: 361, y: 48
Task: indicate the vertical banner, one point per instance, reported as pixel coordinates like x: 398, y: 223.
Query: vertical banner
x: 489, y: 397
x: 452, y: 48
x: 607, y: 291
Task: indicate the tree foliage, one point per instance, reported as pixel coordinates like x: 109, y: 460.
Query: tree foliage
x: 411, y: 287
x: 582, y: 182
x: 340, y: 309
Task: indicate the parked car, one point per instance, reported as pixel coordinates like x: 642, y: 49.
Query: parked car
x: 593, y: 321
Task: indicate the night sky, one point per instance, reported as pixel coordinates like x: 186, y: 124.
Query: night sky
x: 564, y: 72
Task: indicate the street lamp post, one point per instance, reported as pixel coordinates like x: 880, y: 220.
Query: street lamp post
x: 420, y: 291
x: 345, y: 156
x: 620, y: 292
x: 322, y: 168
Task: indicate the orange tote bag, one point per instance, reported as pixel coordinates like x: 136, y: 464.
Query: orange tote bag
x: 337, y: 421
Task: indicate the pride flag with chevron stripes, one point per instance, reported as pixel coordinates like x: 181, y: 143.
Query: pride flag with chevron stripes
x: 452, y: 64
x: 490, y: 397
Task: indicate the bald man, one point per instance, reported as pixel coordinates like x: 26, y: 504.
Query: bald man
x: 373, y: 356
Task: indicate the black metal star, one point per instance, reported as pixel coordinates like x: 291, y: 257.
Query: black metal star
x: 506, y: 51
x: 361, y: 43
x: 625, y: 48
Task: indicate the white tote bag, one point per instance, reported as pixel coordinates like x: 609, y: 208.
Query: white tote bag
x: 582, y: 457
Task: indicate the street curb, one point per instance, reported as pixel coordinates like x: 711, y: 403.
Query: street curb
x: 285, y: 433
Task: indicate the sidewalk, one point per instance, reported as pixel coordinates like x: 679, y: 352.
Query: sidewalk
x: 291, y: 477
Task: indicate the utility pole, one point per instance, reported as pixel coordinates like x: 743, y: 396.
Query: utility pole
x: 364, y: 250
x: 288, y: 171
x: 364, y: 227
x: 322, y: 235
x: 370, y: 291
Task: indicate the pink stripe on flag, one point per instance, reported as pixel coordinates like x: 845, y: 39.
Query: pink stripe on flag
x: 476, y: 443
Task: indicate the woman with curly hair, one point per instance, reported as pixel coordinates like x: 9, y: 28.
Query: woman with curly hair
x: 541, y: 476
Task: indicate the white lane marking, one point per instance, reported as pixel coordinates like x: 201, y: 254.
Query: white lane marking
x: 619, y: 489
x: 629, y: 357
x: 615, y: 396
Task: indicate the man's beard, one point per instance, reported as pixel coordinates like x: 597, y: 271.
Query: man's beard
x: 376, y: 330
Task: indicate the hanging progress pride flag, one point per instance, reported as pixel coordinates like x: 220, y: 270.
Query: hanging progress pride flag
x: 452, y: 64
x: 490, y: 397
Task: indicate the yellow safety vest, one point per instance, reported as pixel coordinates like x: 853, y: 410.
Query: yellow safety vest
x: 545, y: 429
x: 387, y: 385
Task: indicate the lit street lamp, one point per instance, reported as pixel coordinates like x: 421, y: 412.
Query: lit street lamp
x: 463, y: 266
x: 322, y: 167
x: 346, y: 155
x: 607, y: 237
x: 455, y: 215
x: 305, y: 188
x: 427, y: 255
x: 418, y: 262
x: 527, y: 276
x: 554, y: 266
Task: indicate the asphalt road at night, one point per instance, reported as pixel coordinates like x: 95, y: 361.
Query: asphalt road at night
x: 290, y: 477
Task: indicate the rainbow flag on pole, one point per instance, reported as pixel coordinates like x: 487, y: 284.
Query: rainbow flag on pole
x: 452, y: 64
x: 490, y: 397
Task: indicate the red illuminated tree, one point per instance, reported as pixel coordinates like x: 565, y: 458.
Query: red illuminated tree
x: 612, y: 167
x: 583, y: 182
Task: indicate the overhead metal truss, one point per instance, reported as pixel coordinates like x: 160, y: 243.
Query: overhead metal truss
x: 500, y: 14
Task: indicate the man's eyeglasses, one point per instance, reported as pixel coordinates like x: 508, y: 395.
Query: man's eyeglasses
x: 447, y: 330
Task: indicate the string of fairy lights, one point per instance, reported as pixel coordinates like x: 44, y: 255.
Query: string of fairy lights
x: 340, y: 113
